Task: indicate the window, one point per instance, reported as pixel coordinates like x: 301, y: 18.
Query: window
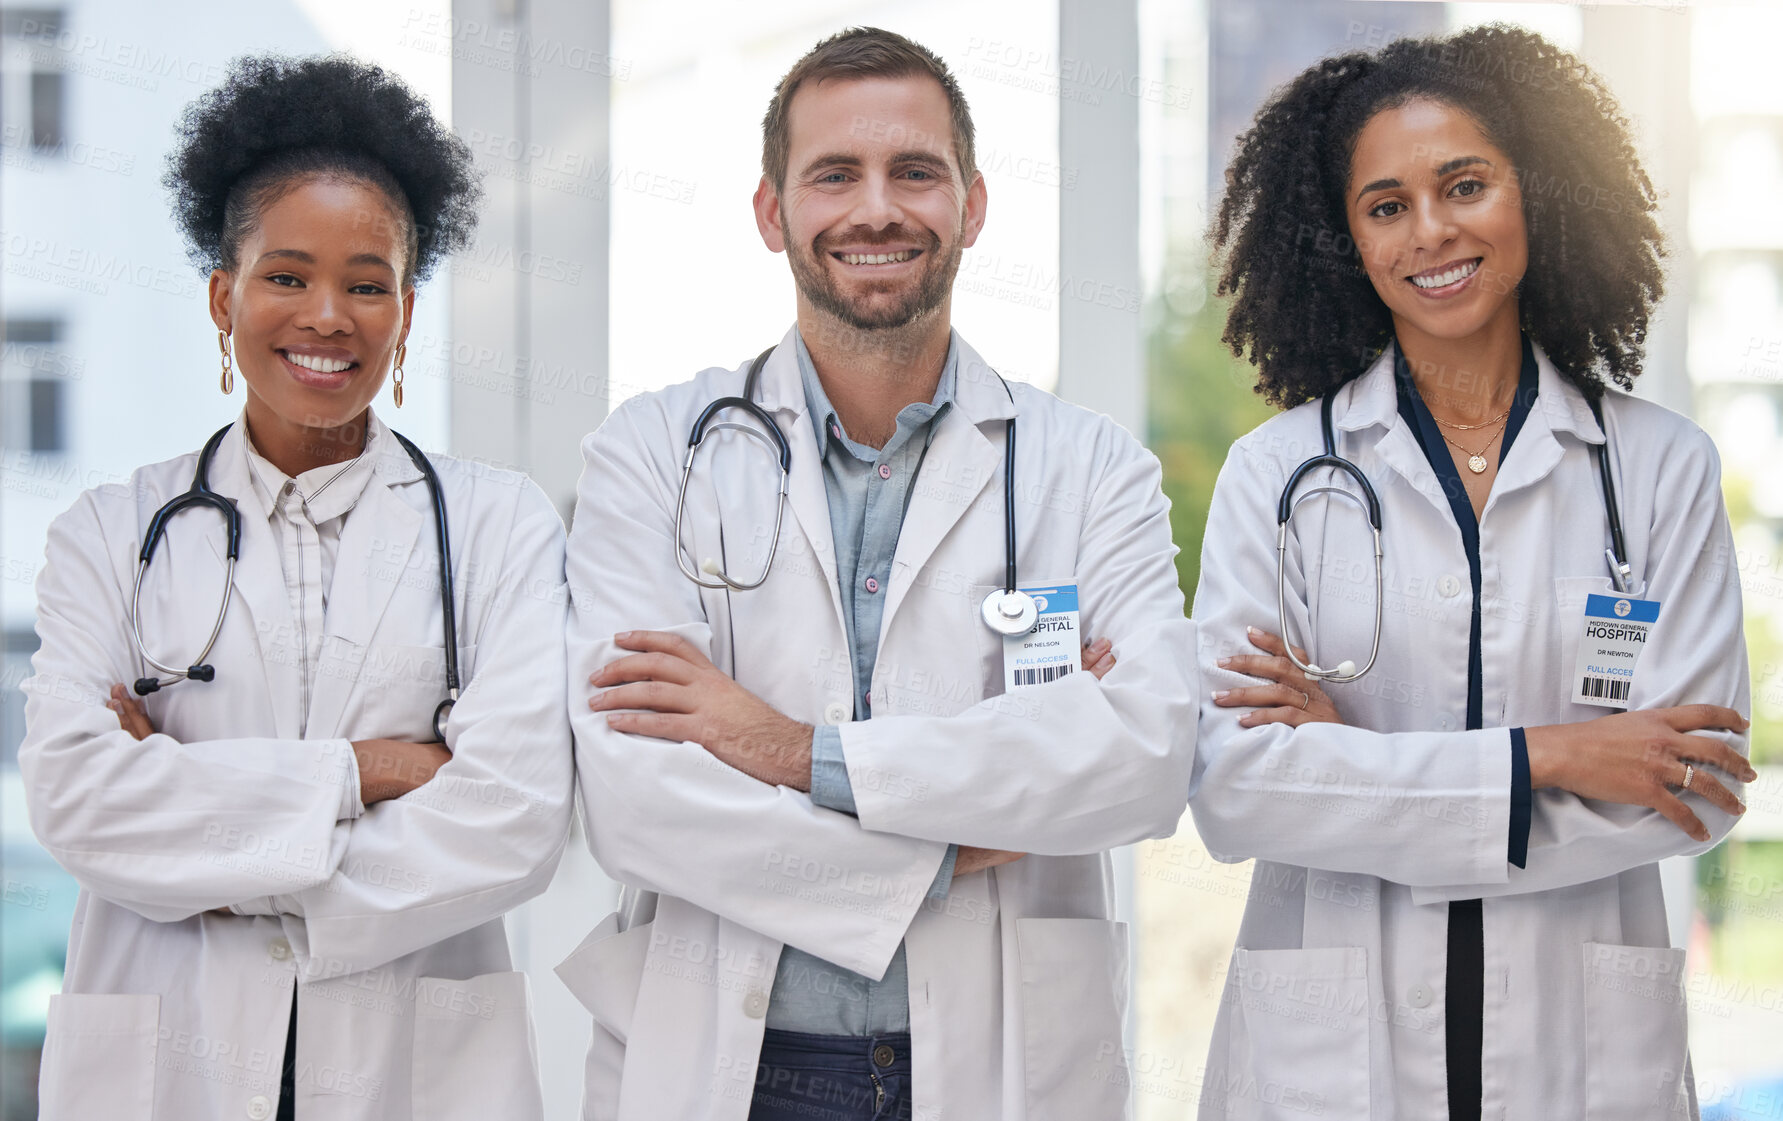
x: 33, y: 92
x: 34, y: 375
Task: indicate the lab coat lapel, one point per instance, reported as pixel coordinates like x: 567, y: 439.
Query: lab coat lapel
x: 1371, y: 403
x: 961, y: 463
x: 260, y: 582
x: 783, y: 394
x: 378, y: 547
x: 1559, y: 408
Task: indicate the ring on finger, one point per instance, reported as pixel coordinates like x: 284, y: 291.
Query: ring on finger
x: 1689, y: 773
x: 1305, y: 699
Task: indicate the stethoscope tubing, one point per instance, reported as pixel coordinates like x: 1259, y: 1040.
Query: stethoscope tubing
x: 200, y: 493
x: 1291, y: 497
x: 1008, y: 611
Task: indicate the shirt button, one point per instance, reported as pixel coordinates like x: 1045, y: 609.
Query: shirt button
x: 279, y: 949
x: 884, y: 1056
x: 885, y: 470
x: 259, y: 1107
x: 835, y: 713
x: 1418, y: 996
x: 1449, y: 586
x: 755, y: 1005
x: 872, y: 584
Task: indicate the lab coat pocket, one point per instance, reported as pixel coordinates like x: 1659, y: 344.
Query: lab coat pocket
x: 475, y: 1055
x: 1074, y: 1006
x: 605, y: 973
x: 1635, y: 1037
x: 1300, y: 1030
x: 99, y: 1057
x: 398, y: 687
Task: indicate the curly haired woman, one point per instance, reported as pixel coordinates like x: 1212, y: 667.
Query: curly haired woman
x: 294, y: 857
x: 1439, y: 256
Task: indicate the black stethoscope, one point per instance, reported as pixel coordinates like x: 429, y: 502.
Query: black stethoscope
x: 1008, y: 611
x: 1616, y: 554
x: 201, y: 494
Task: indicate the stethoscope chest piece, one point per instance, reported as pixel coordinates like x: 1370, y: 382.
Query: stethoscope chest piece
x: 1010, y: 613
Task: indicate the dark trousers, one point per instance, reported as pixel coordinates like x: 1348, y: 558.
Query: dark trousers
x: 805, y: 1077
x: 288, y: 1075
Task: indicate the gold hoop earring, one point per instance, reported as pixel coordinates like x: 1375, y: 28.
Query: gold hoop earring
x: 402, y: 352
x: 228, y: 379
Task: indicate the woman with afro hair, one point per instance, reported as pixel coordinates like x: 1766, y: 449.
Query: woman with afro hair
x: 292, y: 885
x: 1440, y: 257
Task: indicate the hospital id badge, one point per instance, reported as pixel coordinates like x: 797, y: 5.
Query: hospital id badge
x: 1053, y: 648
x: 1616, y: 629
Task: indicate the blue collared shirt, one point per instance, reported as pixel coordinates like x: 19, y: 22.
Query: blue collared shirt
x: 868, y: 491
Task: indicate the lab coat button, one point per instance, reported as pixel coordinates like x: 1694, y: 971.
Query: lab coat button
x: 1443, y: 723
x: 755, y: 1005
x: 279, y: 949
x: 1449, y: 586
x: 835, y: 713
x: 259, y: 1107
x: 1419, y: 996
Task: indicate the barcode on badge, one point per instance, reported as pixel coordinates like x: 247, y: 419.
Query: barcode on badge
x: 1042, y: 674
x: 1604, y: 688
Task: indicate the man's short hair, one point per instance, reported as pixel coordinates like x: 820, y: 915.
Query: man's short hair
x: 862, y: 52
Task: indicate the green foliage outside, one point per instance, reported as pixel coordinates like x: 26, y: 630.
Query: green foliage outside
x: 1200, y: 400
x: 1764, y: 652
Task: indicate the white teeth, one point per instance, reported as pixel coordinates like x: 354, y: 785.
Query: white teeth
x: 320, y: 365
x: 877, y: 258
x: 1460, y: 272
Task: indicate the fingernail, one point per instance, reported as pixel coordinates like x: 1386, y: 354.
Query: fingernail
x: 1221, y: 694
x: 594, y: 703
x: 1252, y: 631
x: 1742, y: 808
x: 1224, y: 662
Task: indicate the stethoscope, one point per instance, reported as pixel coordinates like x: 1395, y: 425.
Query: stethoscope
x: 1007, y: 610
x: 201, y: 494
x: 1616, y: 554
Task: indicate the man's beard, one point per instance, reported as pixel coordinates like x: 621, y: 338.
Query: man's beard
x: 933, y: 286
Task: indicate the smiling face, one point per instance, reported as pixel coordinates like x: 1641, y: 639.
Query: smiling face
x: 316, y: 307
x: 1437, y: 214
x: 874, y: 213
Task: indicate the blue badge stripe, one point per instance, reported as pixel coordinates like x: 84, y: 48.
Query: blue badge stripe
x: 1639, y: 610
x: 1057, y: 598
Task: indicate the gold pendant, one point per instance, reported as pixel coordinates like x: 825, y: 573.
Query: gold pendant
x: 1476, y: 464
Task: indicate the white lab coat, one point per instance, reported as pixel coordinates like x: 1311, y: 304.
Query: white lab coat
x: 1363, y: 833
x: 408, y: 1005
x: 1018, y: 978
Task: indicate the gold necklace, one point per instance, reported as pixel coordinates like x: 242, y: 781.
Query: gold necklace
x: 1470, y: 427
x: 1476, y: 461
